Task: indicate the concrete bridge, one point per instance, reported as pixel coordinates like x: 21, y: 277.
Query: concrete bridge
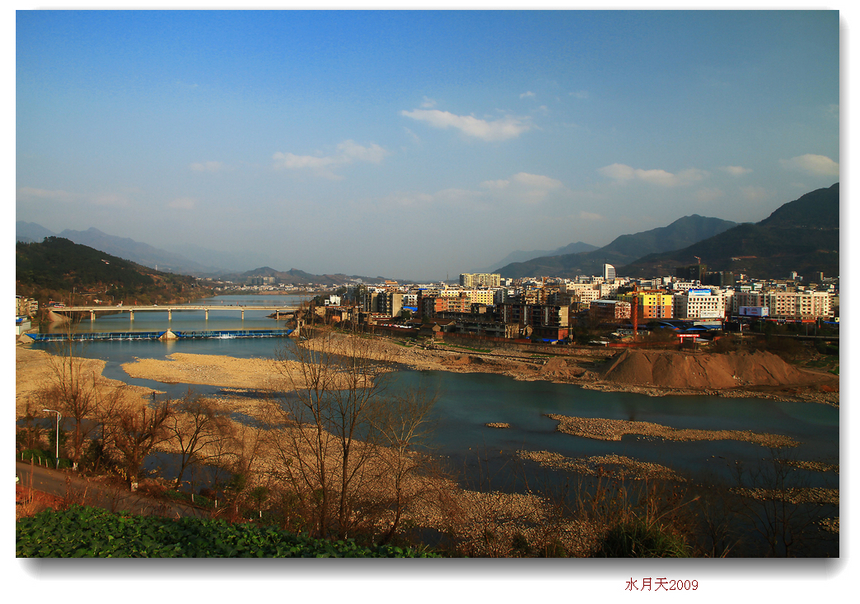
x: 94, y: 310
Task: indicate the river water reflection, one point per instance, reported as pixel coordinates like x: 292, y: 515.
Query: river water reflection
x: 467, y: 402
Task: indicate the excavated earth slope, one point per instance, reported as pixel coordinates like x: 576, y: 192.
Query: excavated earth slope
x: 682, y: 370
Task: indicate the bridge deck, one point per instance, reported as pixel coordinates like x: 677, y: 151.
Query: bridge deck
x: 172, y: 308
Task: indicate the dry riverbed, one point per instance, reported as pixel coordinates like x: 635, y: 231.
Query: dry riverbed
x: 614, y: 429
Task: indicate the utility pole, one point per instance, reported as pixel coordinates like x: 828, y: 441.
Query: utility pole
x: 58, y: 433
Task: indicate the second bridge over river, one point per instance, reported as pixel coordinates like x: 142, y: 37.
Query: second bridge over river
x: 170, y: 309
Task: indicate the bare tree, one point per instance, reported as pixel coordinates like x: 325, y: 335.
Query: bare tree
x: 329, y: 426
x: 403, y: 424
x: 775, y: 499
x: 74, y: 392
x: 195, y: 426
x: 134, y: 430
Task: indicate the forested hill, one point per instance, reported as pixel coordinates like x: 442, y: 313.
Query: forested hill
x: 60, y: 270
x: 800, y: 236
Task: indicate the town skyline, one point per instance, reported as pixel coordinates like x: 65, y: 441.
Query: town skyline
x: 399, y: 143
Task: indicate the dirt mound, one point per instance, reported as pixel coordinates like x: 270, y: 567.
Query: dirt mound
x: 461, y: 360
x: 681, y: 370
x: 559, y: 368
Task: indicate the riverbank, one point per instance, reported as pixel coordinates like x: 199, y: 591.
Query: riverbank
x: 36, y: 370
x: 439, y: 502
x: 648, y: 372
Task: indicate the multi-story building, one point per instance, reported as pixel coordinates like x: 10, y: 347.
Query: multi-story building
x: 609, y: 311
x: 429, y: 306
x: 699, y: 304
x: 473, y: 280
x: 608, y: 272
x: 546, y: 321
x: 26, y: 307
x: 798, y: 305
x: 651, y: 304
x: 389, y: 303
x: 746, y: 298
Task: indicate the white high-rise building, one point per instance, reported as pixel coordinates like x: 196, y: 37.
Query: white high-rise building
x: 608, y: 272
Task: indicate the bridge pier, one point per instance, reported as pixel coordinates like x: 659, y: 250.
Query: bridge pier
x: 207, y: 314
x: 243, y: 314
x: 92, y: 316
x: 131, y: 315
x: 169, y: 315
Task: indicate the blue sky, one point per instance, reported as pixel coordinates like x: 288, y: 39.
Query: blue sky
x: 417, y: 144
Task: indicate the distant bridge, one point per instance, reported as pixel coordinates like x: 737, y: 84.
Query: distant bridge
x: 93, y: 310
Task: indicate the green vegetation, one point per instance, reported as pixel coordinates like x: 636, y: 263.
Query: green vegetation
x: 638, y: 539
x: 85, y: 532
x: 57, y: 269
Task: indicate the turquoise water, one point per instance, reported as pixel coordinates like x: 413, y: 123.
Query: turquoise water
x: 468, y: 401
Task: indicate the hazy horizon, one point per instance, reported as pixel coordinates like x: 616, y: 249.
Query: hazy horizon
x: 417, y: 144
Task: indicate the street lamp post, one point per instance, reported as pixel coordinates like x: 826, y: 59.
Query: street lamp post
x: 58, y: 434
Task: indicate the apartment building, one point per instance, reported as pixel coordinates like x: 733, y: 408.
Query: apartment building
x: 609, y: 311
x: 746, y: 298
x: 651, y: 304
x: 699, y: 304
x: 547, y: 321
x: 798, y: 305
x: 585, y: 293
x: 429, y: 306
x: 475, y: 280
x: 26, y: 307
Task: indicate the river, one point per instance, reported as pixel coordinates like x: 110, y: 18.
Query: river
x: 467, y: 402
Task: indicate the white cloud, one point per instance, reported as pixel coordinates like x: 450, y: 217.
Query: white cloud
x: 580, y: 94
x: 817, y: 165
x: 495, y: 184
x: 618, y: 172
x: 207, y: 166
x: 624, y: 173
x: 528, y: 94
x: 498, y: 130
x: 583, y: 215
x: 736, y: 170
x: 348, y: 152
x: 428, y: 103
x: 524, y: 187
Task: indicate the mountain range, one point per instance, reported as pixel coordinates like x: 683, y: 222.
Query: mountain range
x: 801, y: 235
x: 522, y: 256
x: 623, y: 250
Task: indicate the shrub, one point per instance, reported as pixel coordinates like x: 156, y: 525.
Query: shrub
x: 85, y: 532
x: 636, y: 539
